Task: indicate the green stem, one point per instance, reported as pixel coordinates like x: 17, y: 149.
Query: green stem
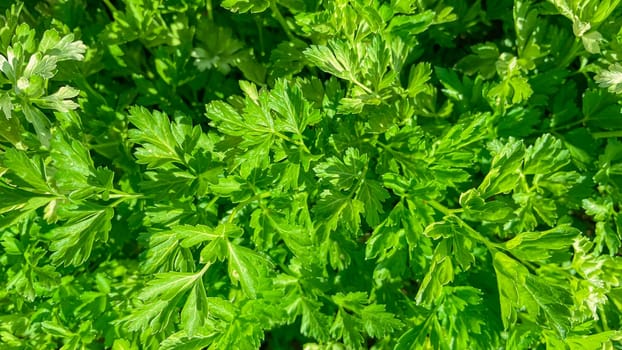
x: 570, y: 125
x: 27, y: 16
x: 492, y: 247
x: 260, y: 35
x: 523, y: 182
x: 299, y: 143
x: 279, y: 17
x: 607, y: 134
x: 603, y: 319
x: 361, y: 85
x: 211, y: 202
x: 443, y: 209
x: 404, y: 158
x: 117, y: 202
x: 124, y: 196
x: 241, y: 205
x: 210, y: 10
x: 204, y: 269
x: 110, y: 6
x: 576, y: 46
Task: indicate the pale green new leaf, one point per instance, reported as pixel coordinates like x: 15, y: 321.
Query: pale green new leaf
x: 249, y: 268
x: 506, y: 164
x: 168, y: 285
x: 540, y: 246
x: 518, y: 289
x: 195, y: 310
x: 295, y: 112
x: 61, y: 49
x: 441, y: 272
x: 242, y: 6
x: 372, y: 195
x: 611, y: 78
x: 161, y: 141
x: 29, y: 169
x: 545, y: 156
x: 60, y: 100
x: 193, y: 235
x: 343, y: 174
x: 335, y: 58
x: 73, y: 241
x: 183, y: 341
x: 73, y: 163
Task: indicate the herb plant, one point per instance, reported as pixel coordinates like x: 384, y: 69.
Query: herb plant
x: 289, y: 174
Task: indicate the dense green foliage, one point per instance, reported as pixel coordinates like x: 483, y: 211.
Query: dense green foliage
x: 317, y: 174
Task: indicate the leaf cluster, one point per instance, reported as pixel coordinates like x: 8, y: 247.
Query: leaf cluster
x: 281, y: 174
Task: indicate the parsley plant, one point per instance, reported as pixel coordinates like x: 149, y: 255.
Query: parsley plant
x: 311, y: 174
